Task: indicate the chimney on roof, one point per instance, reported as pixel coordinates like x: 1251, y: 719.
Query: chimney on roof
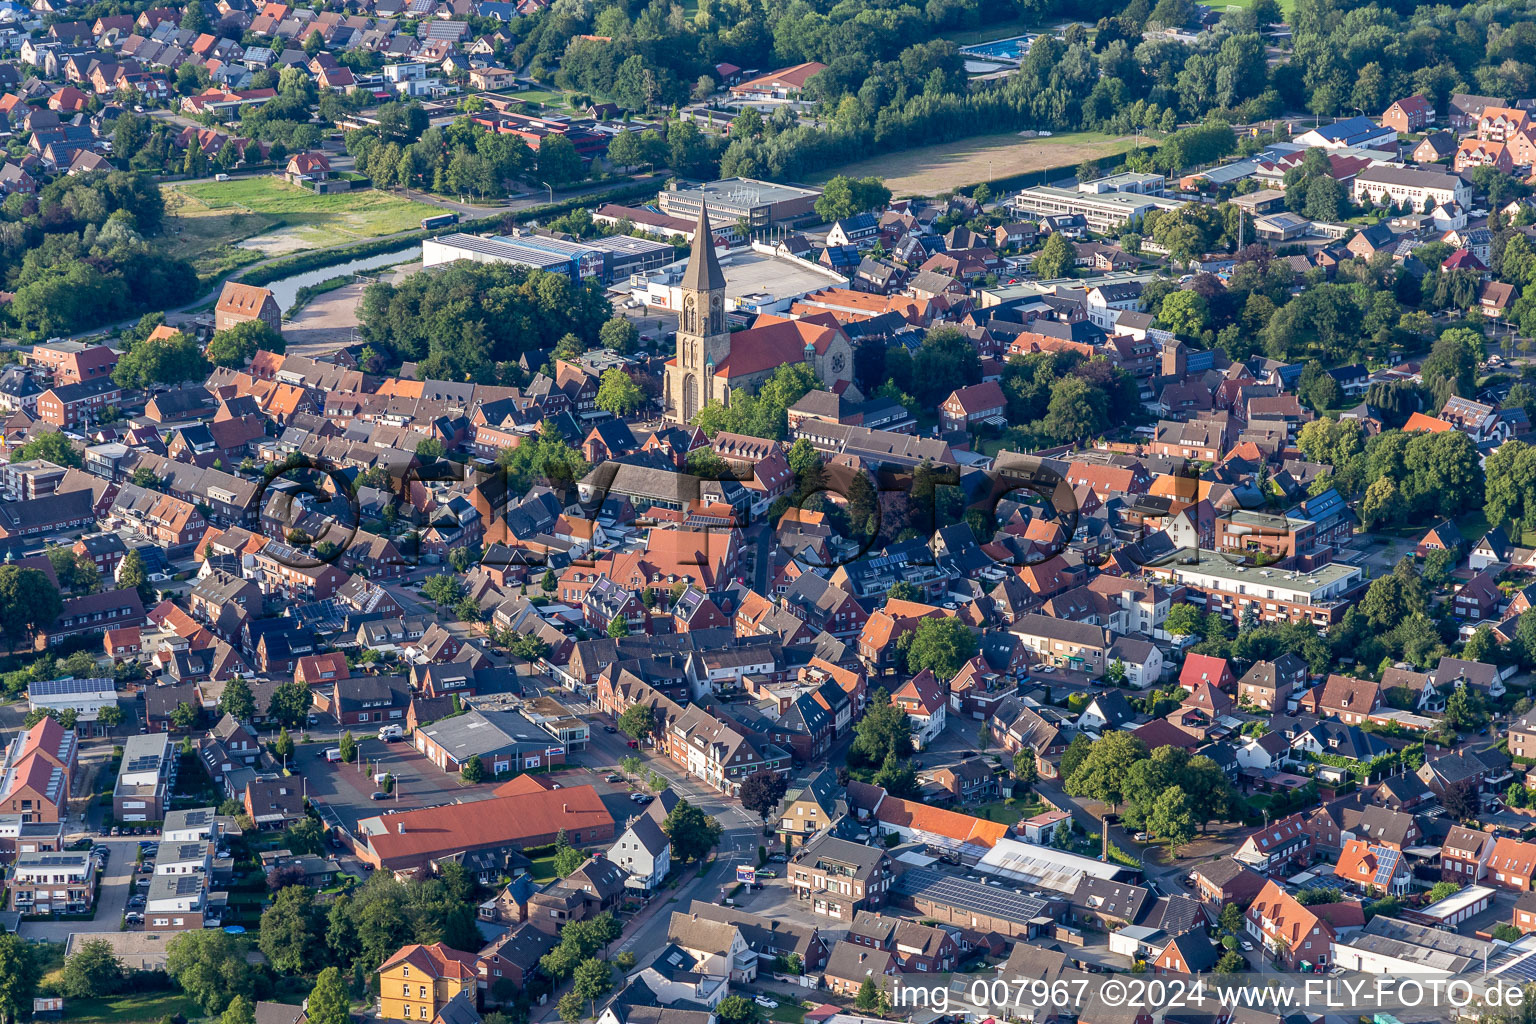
x: 567, y: 808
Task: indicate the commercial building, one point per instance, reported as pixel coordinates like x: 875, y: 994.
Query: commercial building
x: 1410, y: 184
x: 504, y: 741
x: 145, y: 778
x: 85, y: 697
x: 487, y: 836
x: 1318, y: 597
x: 762, y: 204
x: 1102, y: 210
x: 603, y: 259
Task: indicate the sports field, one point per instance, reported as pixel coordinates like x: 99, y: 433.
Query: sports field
x: 220, y: 225
x: 931, y: 169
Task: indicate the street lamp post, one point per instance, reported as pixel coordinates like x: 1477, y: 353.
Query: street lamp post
x: 551, y: 192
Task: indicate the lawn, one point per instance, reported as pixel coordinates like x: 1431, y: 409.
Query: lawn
x: 931, y: 169
x: 138, y: 1008
x: 787, y: 1012
x: 221, y: 225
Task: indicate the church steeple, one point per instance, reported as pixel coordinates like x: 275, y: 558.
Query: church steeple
x: 703, y: 274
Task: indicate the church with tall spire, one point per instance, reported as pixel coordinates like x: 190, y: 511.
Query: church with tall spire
x: 712, y: 362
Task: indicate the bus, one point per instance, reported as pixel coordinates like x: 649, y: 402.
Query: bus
x: 442, y: 220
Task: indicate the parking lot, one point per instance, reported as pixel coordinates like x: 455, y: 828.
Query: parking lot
x: 344, y: 793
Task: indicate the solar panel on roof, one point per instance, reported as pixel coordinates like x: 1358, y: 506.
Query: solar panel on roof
x: 1388, y: 860
x: 972, y: 896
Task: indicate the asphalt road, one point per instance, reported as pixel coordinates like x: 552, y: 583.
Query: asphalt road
x: 116, y: 885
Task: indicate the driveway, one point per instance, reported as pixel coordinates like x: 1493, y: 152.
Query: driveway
x: 112, y: 900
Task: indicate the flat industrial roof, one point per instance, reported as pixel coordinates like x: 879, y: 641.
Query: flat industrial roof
x: 1213, y: 563
x: 748, y: 191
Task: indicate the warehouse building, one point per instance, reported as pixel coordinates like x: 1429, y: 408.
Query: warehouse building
x: 762, y: 204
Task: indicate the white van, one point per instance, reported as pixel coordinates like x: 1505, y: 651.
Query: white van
x: 389, y: 733
x: 333, y: 754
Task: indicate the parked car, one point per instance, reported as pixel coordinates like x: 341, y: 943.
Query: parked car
x: 767, y: 873
x: 609, y: 728
x: 378, y: 795
x: 1142, y: 837
x: 642, y: 798
x: 333, y: 754
x: 613, y: 777
x: 766, y: 1003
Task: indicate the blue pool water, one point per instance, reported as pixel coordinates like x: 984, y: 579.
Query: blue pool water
x: 1013, y: 48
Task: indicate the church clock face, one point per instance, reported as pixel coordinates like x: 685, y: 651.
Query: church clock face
x: 837, y: 363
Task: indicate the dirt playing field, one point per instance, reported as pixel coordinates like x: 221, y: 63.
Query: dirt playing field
x: 933, y: 169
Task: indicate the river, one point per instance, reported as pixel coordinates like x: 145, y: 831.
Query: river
x: 285, y: 289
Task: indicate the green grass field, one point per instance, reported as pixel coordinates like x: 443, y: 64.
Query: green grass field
x: 207, y: 222
x: 139, y: 1008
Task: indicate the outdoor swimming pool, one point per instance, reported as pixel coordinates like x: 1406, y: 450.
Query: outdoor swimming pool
x: 1013, y: 48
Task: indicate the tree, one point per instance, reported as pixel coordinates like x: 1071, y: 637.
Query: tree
x: 348, y: 747
x: 567, y: 857
x: 736, y: 1010
x: 1231, y: 919
x: 843, y: 197
x: 882, y: 732
x: 617, y: 393
x: 234, y: 346
x: 626, y: 150
x: 430, y: 448
x: 28, y: 602
x: 1026, y: 772
x: 306, y: 835
x: 92, y: 971
x: 1231, y: 962
x: 1075, y: 754
x: 131, y: 575
x: 941, y: 644
x: 1465, y: 709
x: 762, y: 792
x: 328, y: 1000
x: 237, y: 700
x: 1102, y: 774
x: 49, y: 445
x: 1055, y: 259
x: 1076, y: 411
x: 619, y: 334
x: 618, y: 628
x: 571, y: 1007
x: 443, y: 590
x: 592, y: 980
x: 869, y: 996
x: 211, y: 967
x: 1443, y: 891
x: 239, y: 1011
x: 559, y: 163
x: 19, y: 975
x: 473, y: 769
x: 183, y: 716
x: 290, y: 704
x: 1172, y: 820
x: 290, y: 929
x: 110, y: 716
x: 1182, y: 620
x: 692, y: 832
